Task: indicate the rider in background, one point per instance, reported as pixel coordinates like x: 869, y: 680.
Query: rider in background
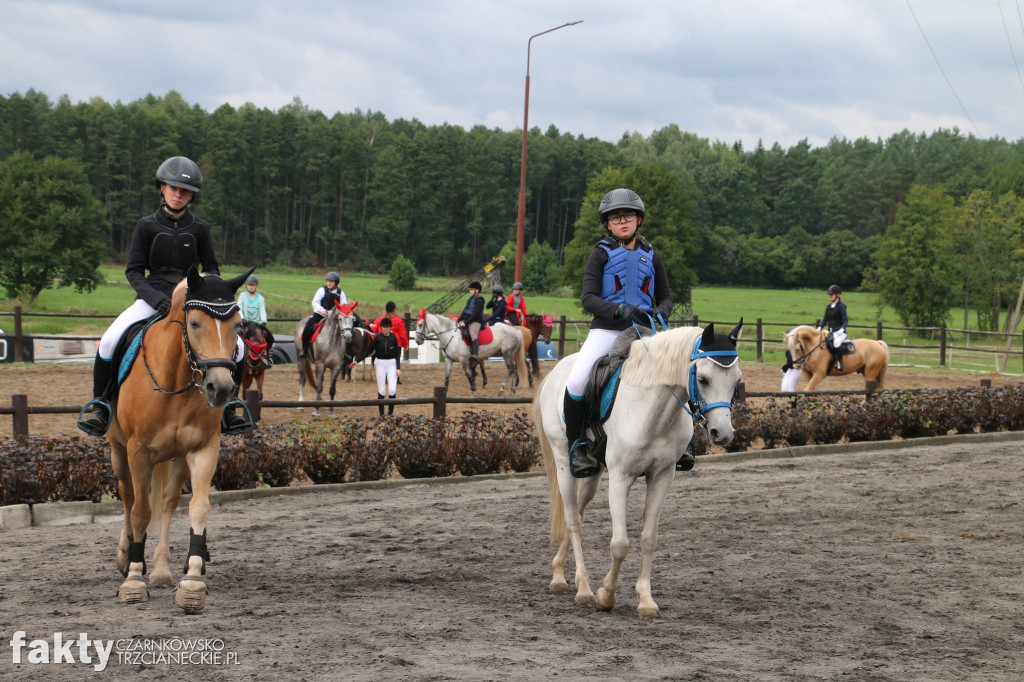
x: 471, y: 319
x: 387, y: 353
x: 497, y: 304
x: 515, y: 304
x: 398, y: 327
x: 327, y: 295
x: 165, y: 244
x: 254, y: 309
x: 835, y: 320
x: 623, y: 278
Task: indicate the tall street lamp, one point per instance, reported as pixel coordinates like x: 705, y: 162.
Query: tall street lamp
x: 522, y: 163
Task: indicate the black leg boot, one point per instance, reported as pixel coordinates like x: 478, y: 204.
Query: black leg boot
x: 380, y: 408
x: 474, y: 354
x: 233, y: 423
x: 391, y: 408
x: 99, y: 421
x: 581, y: 462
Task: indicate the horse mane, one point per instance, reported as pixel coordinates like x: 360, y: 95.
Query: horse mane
x: 662, y: 359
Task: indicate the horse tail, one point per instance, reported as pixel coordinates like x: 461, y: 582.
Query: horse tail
x: 310, y: 373
x: 885, y: 365
x: 557, y: 506
x: 521, y: 361
x: 157, y: 484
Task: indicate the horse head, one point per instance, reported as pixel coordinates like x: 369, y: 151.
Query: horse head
x: 346, y: 319
x: 421, y: 327
x: 210, y: 331
x: 714, y: 376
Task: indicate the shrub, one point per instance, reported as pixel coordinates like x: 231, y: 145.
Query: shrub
x: 37, y: 469
x: 326, y: 456
x: 402, y: 274
x: 264, y: 456
x: 419, y: 446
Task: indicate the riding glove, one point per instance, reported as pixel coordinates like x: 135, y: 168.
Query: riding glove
x: 163, y: 306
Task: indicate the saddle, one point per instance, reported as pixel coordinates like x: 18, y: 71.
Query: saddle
x: 603, y: 386
x: 127, y: 350
x: 846, y: 348
x: 485, y: 336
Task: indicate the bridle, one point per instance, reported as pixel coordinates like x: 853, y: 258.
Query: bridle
x: 434, y: 336
x: 219, y: 311
x: 806, y: 354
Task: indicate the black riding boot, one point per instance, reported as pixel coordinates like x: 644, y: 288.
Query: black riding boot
x: 581, y: 462
x: 380, y: 408
x: 474, y: 354
x: 837, y: 354
x: 391, y: 407
x: 99, y: 421
x: 686, y: 462
x: 233, y: 423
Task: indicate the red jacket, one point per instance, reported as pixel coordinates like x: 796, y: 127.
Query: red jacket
x: 397, y: 326
x: 520, y: 312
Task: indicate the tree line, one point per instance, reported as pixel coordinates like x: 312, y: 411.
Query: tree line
x: 355, y: 190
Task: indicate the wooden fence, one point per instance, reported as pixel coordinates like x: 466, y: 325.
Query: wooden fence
x: 20, y: 409
x: 973, y: 349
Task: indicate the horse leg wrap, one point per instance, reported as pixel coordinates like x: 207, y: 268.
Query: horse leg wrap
x: 197, y: 547
x: 136, y: 554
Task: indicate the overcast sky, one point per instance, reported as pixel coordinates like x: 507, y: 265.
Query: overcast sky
x: 729, y: 70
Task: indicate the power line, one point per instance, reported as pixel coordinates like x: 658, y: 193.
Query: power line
x: 943, y: 71
x: 1009, y: 42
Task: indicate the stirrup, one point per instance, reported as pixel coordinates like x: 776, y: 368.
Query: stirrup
x: 586, y: 466
x: 91, y: 427
x: 238, y: 428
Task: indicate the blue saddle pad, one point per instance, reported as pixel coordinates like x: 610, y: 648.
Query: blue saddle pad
x: 608, y: 393
x: 128, y: 359
x: 128, y: 347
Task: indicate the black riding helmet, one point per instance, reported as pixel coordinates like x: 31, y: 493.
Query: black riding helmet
x: 496, y: 289
x: 180, y: 171
x: 834, y: 289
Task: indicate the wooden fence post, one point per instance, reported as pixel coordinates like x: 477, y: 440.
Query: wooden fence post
x: 741, y: 393
x: 19, y: 402
x: 878, y: 331
x: 870, y: 386
x: 17, y: 334
x: 942, y: 345
x: 760, y: 339
x: 252, y: 399
x: 694, y: 321
x: 561, y: 337
x: 986, y: 383
x: 441, y: 404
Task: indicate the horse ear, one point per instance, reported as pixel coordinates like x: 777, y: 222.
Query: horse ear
x: 355, y: 305
x: 709, y: 335
x: 236, y: 282
x: 195, y: 280
x: 734, y: 335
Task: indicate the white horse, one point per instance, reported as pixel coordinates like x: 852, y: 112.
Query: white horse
x: 506, y: 341
x: 647, y: 430
x: 328, y: 351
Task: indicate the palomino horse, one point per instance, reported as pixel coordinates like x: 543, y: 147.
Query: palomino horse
x: 668, y: 381
x: 540, y: 326
x: 256, y: 357
x: 164, y: 433
x: 505, y: 340
x: 808, y: 350
x: 326, y: 352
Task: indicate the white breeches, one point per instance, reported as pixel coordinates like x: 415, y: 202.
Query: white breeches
x: 838, y: 337
x: 596, y: 345
x: 790, y: 379
x: 387, y: 377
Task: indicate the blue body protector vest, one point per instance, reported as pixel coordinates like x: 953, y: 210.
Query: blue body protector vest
x: 628, y: 274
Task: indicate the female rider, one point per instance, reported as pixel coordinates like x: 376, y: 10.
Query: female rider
x: 166, y: 244
x: 624, y: 278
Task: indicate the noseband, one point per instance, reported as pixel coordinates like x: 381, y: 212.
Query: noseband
x: 219, y: 311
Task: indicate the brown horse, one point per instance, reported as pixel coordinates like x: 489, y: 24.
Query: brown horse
x: 540, y: 326
x: 257, y: 359
x: 807, y: 347
x: 165, y: 430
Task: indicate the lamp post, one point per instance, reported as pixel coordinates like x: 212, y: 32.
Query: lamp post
x: 522, y: 163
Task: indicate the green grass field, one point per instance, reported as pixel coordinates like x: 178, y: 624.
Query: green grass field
x: 288, y: 293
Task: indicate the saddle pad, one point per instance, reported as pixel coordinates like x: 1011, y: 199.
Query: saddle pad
x: 316, y: 331
x: 128, y: 348
x: 848, y: 348
x: 485, y: 336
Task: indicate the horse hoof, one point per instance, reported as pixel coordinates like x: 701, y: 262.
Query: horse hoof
x: 161, y: 579
x: 605, y: 600
x: 190, y: 595
x: 558, y: 587
x: 133, y: 591
x: 647, y: 612
x: 585, y: 599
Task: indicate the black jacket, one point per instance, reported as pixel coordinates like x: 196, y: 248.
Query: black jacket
x: 474, y: 311
x: 167, y: 247
x: 384, y: 347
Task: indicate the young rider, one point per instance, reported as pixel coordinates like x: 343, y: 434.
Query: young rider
x: 165, y: 244
x: 325, y: 296
x: 471, y: 319
x: 254, y: 309
x: 624, y: 276
x: 835, y: 320
x: 516, y: 305
x: 497, y: 303
x: 386, y: 351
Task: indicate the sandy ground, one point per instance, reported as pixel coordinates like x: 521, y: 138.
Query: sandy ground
x: 71, y: 385
x: 895, y: 565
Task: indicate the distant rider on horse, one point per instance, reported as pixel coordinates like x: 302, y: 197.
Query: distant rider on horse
x: 471, y: 319
x: 835, y: 320
x: 254, y: 309
x: 498, y: 305
x: 323, y: 301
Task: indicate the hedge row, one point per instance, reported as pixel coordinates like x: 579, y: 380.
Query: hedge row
x: 43, y: 469
x: 38, y: 469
